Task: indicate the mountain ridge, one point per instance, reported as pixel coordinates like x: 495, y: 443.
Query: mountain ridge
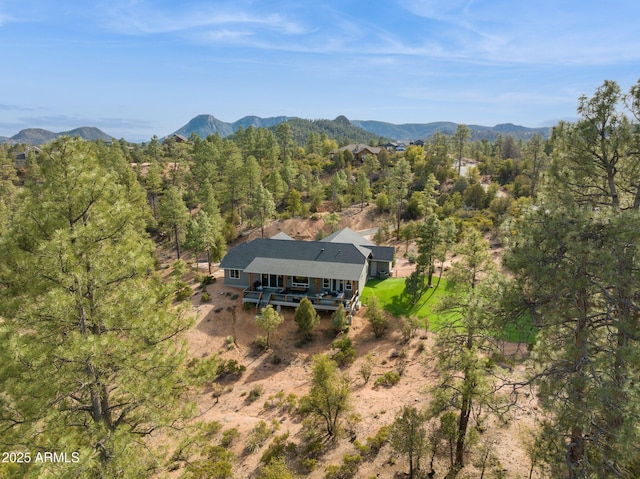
x: 204, y: 125
x: 40, y: 136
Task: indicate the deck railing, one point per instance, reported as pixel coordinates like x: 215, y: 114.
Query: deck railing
x: 292, y: 299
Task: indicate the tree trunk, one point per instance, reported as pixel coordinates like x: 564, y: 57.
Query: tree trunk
x: 575, y: 449
x: 463, y: 423
x: 177, y: 240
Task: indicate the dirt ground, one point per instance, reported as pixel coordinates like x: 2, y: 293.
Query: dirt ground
x: 217, y: 332
x: 376, y: 406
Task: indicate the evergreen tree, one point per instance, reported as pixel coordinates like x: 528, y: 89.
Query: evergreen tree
x: 400, y: 180
x: 294, y: 202
x: 576, y: 263
x: 466, y: 376
x: 94, y: 364
x: 306, y: 317
x: 460, y: 137
x: 269, y: 320
x: 262, y: 207
x: 173, y: 216
x: 408, y: 436
x: 361, y: 189
x: 8, y: 190
x: 328, y: 398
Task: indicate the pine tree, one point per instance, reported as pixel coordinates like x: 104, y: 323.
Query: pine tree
x: 328, y: 398
x: 465, y: 372
x: 174, y: 216
x: 576, y: 263
x: 262, y: 207
x: 306, y: 317
x: 94, y: 358
x: 269, y: 320
x: 408, y: 436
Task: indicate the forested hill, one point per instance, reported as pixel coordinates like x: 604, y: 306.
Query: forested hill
x: 39, y: 136
x: 411, y: 131
x: 205, y: 125
x: 345, y: 131
x: 340, y: 129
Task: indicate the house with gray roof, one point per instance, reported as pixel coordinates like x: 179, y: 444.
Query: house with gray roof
x: 359, y: 151
x: 330, y: 272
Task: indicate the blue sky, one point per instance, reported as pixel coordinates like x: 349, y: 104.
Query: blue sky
x: 135, y: 68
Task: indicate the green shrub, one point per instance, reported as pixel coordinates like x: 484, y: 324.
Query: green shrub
x: 205, y: 298
x: 261, y: 342
x: 376, y: 442
x: 230, y: 368
x: 229, y: 436
x: 377, y: 317
x: 388, y: 379
x: 275, y: 359
x: 347, y: 470
x: 258, y: 436
x: 363, y: 449
x: 183, y: 291
x: 339, y: 320
x: 208, y: 280
x: 284, y: 403
x: 346, y: 354
x: 256, y: 392
x: 279, y: 449
x: 366, y: 368
x: 309, y: 465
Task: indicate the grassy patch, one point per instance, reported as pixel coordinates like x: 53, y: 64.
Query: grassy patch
x: 390, y: 293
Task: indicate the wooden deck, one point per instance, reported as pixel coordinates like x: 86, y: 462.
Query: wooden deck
x: 321, y: 302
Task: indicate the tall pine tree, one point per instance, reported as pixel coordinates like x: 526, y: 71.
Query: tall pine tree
x: 90, y: 346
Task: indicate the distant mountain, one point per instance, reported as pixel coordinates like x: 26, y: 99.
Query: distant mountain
x: 257, y: 122
x: 205, y: 125
x: 421, y: 131
x: 38, y: 136
x: 340, y: 129
x: 356, y: 131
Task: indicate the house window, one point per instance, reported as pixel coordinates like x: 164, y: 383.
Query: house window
x: 326, y: 283
x: 347, y: 285
x: 234, y: 273
x: 300, y: 282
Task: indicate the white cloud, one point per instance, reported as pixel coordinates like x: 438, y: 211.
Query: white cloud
x: 583, y: 32
x: 146, y: 18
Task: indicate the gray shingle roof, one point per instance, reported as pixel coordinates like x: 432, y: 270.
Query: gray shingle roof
x: 341, y: 255
x: 282, y: 236
x: 314, y: 269
x: 311, y: 251
x: 347, y: 235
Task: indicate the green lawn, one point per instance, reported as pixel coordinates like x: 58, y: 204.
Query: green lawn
x: 389, y: 292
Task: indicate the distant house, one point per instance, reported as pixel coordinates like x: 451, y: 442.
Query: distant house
x: 359, y: 151
x: 179, y: 138
x: 395, y: 146
x: 281, y: 271
x: 21, y: 158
